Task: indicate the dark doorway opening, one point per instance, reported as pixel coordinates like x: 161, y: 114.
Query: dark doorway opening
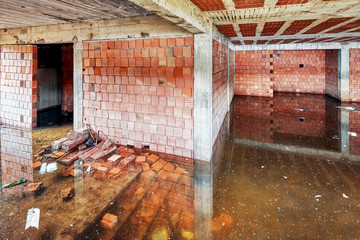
x: 55, y: 84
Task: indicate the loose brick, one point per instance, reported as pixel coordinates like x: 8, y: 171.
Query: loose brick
x: 145, y: 167
x: 152, y: 158
x: 109, y: 221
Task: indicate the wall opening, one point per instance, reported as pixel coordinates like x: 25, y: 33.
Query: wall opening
x: 55, y: 84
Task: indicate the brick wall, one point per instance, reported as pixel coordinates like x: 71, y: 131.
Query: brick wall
x: 140, y: 92
x: 231, y: 73
x: 331, y: 73
x: 219, y: 86
x: 299, y: 71
x: 18, y: 83
x: 355, y: 75
x: 16, y: 157
x: 67, y: 96
x: 254, y: 73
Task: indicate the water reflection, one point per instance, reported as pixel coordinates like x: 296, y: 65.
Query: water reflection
x: 281, y: 177
x: 273, y: 175
x: 148, y: 203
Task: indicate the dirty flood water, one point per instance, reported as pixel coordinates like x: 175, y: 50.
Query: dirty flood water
x: 283, y: 168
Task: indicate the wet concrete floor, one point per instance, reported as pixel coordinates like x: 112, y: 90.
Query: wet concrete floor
x: 283, y: 168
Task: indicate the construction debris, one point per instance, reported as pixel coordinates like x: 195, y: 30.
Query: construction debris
x: 67, y: 194
x: 34, y: 189
x: 108, y: 221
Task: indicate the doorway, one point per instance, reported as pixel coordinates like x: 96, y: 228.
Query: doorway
x: 55, y: 84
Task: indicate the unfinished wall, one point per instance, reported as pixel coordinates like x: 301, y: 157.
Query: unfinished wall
x: 140, y: 92
x: 67, y: 96
x: 219, y: 86
x: 231, y: 74
x: 299, y: 71
x: 331, y: 73
x: 16, y: 157
x: 355, y: 75
x: 18, y: 84
x: 254, y: 73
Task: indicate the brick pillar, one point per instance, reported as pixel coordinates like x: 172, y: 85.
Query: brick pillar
x: 18, y: 83
x: 203, y: 138
x: 344, y: 75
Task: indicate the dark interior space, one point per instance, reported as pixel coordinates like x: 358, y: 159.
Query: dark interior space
x: 55, y: 84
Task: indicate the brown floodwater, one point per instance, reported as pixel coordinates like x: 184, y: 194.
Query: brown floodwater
x: 282, y: 168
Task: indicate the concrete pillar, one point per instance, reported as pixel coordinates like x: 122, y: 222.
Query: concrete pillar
x: 203, y: 187
x: 228, y: 79
x: 78, y: 85
x: 344, y: 120
x: 344, y: 74
x: 202, y: 97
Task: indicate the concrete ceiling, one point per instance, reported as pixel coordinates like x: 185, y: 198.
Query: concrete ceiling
x: 284, y: 21
x: 19, y: 13
x: 245, y: 22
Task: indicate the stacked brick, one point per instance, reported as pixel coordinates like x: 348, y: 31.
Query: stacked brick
x: 140, y: 92
x: 299, y: 71
x: 16, y: 157
x: 67, y: 96
x: 219, y: 86
x: 231, y: 73
x: 355, y: 75
x: 254, y: 73
x: 331, y: 73
x: 18, y: 83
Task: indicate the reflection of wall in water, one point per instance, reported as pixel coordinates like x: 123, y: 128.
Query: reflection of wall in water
x: 16, y: 157
x: 253, y: 118
x: 354, y: 123
x: 276, y: 120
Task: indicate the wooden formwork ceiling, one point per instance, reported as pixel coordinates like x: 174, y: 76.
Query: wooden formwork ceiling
x: 20, y: 13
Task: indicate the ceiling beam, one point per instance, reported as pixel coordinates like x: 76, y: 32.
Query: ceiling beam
x: 302, y: 36
x: 183, y: 13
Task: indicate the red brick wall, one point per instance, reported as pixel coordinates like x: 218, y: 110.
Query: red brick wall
x: 290, y: 77
x: 67, y: 96
x: 18, y: 69
x: 254, y: 73
x: 231, y: 73
x: 140, y: 92
x: 331, y: 73
x: 219, y: 86
x: 355, y: 75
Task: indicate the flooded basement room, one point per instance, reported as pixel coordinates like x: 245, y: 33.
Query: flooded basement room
x: 282, y: 168
x: 180, y: 119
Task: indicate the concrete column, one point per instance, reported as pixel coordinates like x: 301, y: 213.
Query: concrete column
x: 228, y: 78
x: 202, y: 97
x: 78, y: 85
x: 344, y: 74
x: 203, y: 190
x: 344, y: 120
